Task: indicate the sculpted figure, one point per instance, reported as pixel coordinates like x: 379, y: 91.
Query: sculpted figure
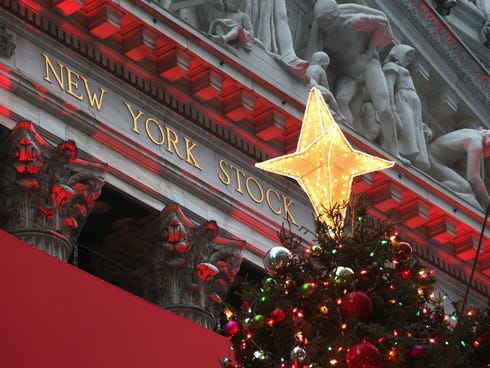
x: 444, y: 6
x: 271, y: 28
x: 198, y: 14
x: 316, y: 76
x: 469, y: 146
x: 353, y: 35
x: 405, y: 104
x: 486, y: 33
x: 233, y: 25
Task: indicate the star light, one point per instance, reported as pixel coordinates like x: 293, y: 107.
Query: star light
x: 324, y: 163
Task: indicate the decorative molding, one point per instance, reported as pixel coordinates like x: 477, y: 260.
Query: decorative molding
x: 7, y: 45
x: 46, y: 193
x: 450, y: 49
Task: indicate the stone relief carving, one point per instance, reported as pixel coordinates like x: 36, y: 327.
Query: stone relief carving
x: 7, y: 45
x: 269, y: 21
x: 180, y: 266
x: 457, y: 162
x: 379, y: 100
x: 271, y: 29
x: 46, y: 193
x: 233, y: 25
x: 336, y: 29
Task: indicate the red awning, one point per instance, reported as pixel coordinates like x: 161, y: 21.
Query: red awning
x: 55, y: 315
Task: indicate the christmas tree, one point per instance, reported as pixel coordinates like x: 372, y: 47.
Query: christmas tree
x: 358, y: 298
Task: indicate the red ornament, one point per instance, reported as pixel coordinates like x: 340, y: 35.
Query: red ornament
x: 356, y: 304
x: 363, y: 355
x: 403, y: 251
x: 277, y: 315
x: 231, y: 328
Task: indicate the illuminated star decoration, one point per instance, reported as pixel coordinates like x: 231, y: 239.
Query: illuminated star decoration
x: 324, y: 163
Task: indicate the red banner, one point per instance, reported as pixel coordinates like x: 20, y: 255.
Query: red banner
x: 55, y: 315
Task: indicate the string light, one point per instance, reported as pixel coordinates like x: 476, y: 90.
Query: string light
x: 324, y: 163
x: 228, y: 313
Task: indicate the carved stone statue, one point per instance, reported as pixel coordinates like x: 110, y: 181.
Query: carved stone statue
x: 233, y: 25
x: 353, y: 35
x: 316, y: 76
x: 444, y: 6
x: 469, y: 146
x: 406, y: 106
x: 271, y: 28
x: 486, y: 33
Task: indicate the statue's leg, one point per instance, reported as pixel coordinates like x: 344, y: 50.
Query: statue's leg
x: 448, y: 177
x: 346, y: 89
x: 377, y: 90
x: 283, y: 33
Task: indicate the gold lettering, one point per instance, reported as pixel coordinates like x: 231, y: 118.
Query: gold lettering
x: 287, y: 212
x: 267, y: 197
x: 73, y: 83
x: 172, y: 140
x: 58, y: 77
x: 190, y: 156
x: 259, y: 187
x: 226, y: 180
x: 135, y: 117
x: 238, y: 179
x: 148, y: 132
x: 94, y: 99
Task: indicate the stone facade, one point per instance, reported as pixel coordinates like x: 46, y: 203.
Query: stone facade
x: 181, y: 118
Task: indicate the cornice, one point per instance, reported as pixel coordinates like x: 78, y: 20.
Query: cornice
x: 173, y: 94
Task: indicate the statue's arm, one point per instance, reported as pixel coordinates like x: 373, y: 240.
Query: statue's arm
x: 369, y: 20
x: 247, y: 25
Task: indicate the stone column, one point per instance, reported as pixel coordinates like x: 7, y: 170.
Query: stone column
x: 168, y: 260
x: 46, y: 193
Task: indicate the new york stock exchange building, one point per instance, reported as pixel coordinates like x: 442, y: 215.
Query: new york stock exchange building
x: 129, y: 134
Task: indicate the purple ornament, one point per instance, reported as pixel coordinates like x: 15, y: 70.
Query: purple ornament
x: 417, y: 351
x: 231, y: 328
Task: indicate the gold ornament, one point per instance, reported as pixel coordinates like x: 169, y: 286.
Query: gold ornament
x: 324, y: 163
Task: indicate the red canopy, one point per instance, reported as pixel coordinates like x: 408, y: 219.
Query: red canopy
x: 55, y: 315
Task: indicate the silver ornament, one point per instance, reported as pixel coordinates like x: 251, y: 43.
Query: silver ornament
x: 298, y: 354
x: 276, y: 259
x: 342, y: 276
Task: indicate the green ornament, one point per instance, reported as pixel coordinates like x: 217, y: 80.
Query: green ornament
x: 316, y: 250
x: 307, y: 289
x: 258, y: 321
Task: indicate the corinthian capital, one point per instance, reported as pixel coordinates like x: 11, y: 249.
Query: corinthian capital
x: 46, y: 192
x: 178, y: 265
